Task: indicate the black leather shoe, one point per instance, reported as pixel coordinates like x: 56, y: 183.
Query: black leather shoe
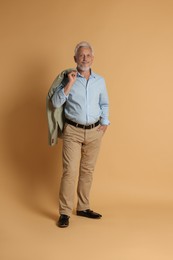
x: 88, y: 214
x: 63, y: 221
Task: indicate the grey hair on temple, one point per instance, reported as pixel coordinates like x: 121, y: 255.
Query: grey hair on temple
x: 83, y: 44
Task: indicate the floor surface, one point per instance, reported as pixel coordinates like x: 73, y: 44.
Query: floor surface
x: 127, y: 231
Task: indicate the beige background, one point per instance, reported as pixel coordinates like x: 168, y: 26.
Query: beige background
x: 133, y: 179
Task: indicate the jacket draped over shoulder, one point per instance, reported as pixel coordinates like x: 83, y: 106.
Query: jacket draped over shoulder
x: 55, y: 116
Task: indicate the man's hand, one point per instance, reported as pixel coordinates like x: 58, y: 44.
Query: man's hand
x: 102, y: 128
x: 72, y: 76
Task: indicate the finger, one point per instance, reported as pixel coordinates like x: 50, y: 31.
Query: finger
x: 99, y: 128
x: 72, y: 73
x: 102, y: 128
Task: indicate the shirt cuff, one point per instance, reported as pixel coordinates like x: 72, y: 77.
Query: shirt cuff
x: 62, y: 94
x: 104, y: 121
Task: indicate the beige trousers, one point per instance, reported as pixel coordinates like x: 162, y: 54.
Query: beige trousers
x: 80, y: 151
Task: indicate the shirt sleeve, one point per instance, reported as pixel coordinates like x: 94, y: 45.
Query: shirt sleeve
x: 59, y: 97
x: 104, y: 105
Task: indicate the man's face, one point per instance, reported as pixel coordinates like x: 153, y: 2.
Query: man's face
x: 84, y: 58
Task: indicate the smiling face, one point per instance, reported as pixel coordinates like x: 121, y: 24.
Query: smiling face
x: 84, y: 58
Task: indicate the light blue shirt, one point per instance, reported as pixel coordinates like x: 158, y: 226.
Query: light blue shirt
x: 87, y: 101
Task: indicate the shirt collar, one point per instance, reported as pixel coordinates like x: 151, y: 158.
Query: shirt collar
x: 92, y: 74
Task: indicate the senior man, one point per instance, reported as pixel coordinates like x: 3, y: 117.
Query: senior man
x: 85, y: 100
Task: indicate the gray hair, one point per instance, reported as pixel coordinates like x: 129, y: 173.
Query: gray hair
x: 83, y: 44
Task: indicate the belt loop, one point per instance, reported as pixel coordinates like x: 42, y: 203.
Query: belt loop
x: 77, y: 125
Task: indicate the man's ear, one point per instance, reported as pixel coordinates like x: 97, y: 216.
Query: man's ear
x: 75, y: 58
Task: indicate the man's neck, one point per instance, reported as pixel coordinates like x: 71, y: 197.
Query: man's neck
x: 85, y: 74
